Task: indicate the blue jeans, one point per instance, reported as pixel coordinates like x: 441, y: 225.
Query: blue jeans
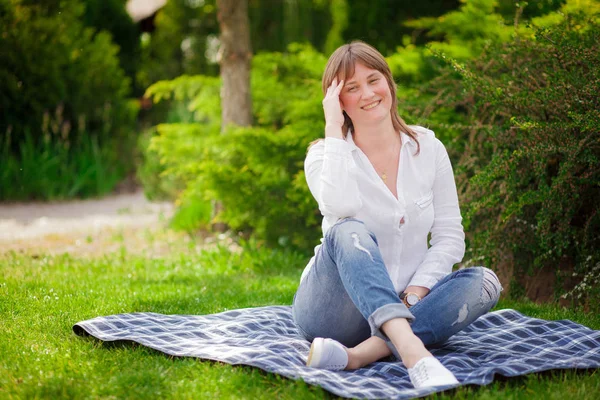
x: 347, y: 294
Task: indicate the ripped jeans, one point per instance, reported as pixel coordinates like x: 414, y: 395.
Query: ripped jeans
x: 347, y: 294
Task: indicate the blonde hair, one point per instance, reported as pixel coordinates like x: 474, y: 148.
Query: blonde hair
x: 341, y: 65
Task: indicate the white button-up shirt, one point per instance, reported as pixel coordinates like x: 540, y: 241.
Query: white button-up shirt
x: 345, y: 184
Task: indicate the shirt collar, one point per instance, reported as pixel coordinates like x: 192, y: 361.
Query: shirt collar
x: 405, y: 139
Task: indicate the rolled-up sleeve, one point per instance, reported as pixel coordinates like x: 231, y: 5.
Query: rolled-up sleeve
x: 447, y: 234
x: 331, y: 176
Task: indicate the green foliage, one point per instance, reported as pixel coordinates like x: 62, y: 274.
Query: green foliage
x: 255, y: 173
x: 462, y: 34
x: 193, y: 211
x: 531, y: 166
x: 50, y: 170
x: 62, y: 90
x: 252, y: 172
x: 587, y: 289
x: 591, y: 8
x: 180, y: 43
x: 465, y: 31
x: 111, y: 16
x: 531, y: 9
x: 459, y: 35
x: 171, y: 161
x: 382, y: 23
x: 50, y: 59
x: 186, y: 37
x: 151, y: 173
x: 274, y: 24
x: 339, y: 16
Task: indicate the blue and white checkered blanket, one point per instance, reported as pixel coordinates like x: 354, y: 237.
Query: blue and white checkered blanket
x: 504, y: 342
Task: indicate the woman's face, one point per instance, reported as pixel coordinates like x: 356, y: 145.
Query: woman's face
x: 366, y: 96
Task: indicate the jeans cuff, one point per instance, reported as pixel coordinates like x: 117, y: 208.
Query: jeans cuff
x: 385, y: 313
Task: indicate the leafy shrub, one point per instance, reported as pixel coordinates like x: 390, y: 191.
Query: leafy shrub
x: 530, y: 171
x: 180, y: 42
x: 50, y: 59
x: 587, y: 290
x: 459, y: 35
x: 256, y: 172
x: 124, y: 33
x: 157, y: 184
x: 466, y: 31
x: 61, y: 86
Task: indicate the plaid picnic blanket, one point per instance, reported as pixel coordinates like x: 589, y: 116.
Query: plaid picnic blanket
x: 503, y: 342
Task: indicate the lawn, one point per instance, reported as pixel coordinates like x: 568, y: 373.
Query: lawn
x: 42, y: 296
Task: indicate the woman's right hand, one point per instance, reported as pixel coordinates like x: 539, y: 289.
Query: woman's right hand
x: 334, y: 117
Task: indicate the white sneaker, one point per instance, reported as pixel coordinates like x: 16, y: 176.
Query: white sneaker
x: 327, y: 354
x: 428, y: 371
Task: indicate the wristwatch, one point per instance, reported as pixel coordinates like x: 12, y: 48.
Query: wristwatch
x: 410, y: 298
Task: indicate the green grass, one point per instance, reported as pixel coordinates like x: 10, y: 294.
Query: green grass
x: 41, y: 297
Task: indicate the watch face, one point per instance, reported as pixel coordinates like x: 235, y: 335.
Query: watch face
x: 412, y: 299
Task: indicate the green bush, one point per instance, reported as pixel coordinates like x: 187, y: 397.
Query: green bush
x: 124, y: 33
x: 466, y: 31
x: 61, y: 87
x: 460, y: 35
x: 255, y: 173
x: 150, y: 172
x: 180, y: 42
x: 530, y: 171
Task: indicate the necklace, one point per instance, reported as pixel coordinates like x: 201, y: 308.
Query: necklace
x: 383, y: 174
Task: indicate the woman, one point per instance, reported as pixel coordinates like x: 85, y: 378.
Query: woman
x: 374, y: 287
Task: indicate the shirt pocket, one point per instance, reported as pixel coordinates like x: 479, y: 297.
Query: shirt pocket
x: 422, y: 203
x: 421, y: 213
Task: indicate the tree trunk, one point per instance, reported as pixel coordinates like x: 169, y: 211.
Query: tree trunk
x: 234, y: 58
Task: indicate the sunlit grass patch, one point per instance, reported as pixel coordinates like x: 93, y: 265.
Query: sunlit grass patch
x: 42, y: 296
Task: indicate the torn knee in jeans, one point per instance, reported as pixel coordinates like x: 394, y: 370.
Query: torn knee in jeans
x: 491, y: 286
x: 463, y: 313
x: 357, y: 244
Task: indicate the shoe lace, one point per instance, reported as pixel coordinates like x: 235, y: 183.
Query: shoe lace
x: 421, y: 374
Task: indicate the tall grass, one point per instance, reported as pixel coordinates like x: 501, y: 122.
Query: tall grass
x: 55, y: 169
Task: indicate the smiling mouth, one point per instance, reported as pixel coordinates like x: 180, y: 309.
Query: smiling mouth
x: 371, y: 105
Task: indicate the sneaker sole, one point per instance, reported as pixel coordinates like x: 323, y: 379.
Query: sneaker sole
x: 315, y: 353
